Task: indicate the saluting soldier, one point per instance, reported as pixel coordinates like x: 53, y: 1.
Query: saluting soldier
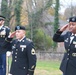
x: 23, y: 53
x: 68, y: 65
x: 4, y: 32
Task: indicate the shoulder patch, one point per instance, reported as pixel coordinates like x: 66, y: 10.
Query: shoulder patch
x: 28, y: 39
x: 7, y: 27
x: 33, y: 51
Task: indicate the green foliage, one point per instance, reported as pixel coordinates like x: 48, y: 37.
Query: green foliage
x: 48, y: 23
x: 49, y: 42
x: 54, y: 45
x: 18, y: 11
x: 56, y: 20
x: 42, y: 41
x: 51, y: 11
x: 49, y: 3
x: 4, y: 9
x: 34, y: 18
x: 37, y: 35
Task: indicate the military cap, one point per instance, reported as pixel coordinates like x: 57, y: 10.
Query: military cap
x: 72, y: 19
x: 2, y: 17
x: 19, y: 28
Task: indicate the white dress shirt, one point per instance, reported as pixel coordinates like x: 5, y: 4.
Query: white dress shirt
x: 72, y: 37
x: 1, y: 26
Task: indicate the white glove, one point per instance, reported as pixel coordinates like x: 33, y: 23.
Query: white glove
x: 8, y: 53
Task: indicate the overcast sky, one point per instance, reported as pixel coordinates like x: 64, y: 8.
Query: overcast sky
x: 0, y: 3
x: 66, y: 3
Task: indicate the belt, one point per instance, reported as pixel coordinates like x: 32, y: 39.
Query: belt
x: 3, y: 36
x: 74, y: 54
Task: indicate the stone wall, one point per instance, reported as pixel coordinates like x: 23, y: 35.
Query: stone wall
x: 50, y: 55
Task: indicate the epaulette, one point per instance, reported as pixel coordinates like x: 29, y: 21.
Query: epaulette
x: 7, y: 27
x: 28, y: 39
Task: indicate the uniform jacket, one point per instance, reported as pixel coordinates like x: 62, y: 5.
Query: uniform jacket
x: 4, y: 32
x: 68, y: 65
x: 23, y: 57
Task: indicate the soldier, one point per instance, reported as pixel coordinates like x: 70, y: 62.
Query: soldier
x: 4, y: 32
x: 68, y: 65
x: 23, y: 53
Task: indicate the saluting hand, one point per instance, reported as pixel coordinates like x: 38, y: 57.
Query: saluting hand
x: 64, y: 28
x: 12, y: 34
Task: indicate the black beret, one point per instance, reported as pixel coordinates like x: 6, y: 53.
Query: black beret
x: 72, y: 19
x: 2, y: 17
x: 20, y: 28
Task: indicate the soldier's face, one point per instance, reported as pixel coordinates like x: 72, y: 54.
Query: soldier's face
x: 72, y: 27
x: 20, y: 34
x: 1, y: 22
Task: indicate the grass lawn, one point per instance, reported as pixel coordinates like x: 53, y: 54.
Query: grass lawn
x: 48, y: 68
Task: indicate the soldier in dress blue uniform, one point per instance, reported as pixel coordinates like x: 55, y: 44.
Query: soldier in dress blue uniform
x: 4, y: 32
x: 23, y: 53
x: 68, y: 65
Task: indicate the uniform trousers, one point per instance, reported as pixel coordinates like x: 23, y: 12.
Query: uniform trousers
x: 2, y: 64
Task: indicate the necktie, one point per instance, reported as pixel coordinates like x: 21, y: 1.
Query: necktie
x: 71, y: 38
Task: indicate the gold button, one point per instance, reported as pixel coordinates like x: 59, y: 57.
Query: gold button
x: 15, y: 53
x: 67, y: 58
x: 68, y: 49
x: 15, y: 56
x: 24, y: 67
x: 68, y: 53
x: 16, y: 49
x: 15, y: 60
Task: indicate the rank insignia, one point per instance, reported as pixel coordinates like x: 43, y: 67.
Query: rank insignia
x: 28, y: 39
x: 73, y: 19
x: 3, y: 32
x: 33, y: 52
x: 23, y: 46
x: 32, y: 67
x: 18, y: 27
x: 74, y: 42
x: 66, y: 40
x: 13, y: 47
